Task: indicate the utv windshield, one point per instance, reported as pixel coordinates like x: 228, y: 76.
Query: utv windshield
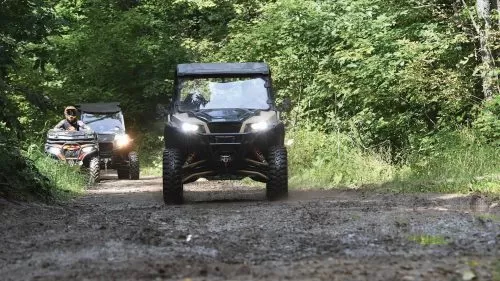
x: 104, y: 122
x: 218, y: 93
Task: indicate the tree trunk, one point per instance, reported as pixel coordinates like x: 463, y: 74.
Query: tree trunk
x: 496, y: 6
x: 484, y: 12
x: 496, y: 34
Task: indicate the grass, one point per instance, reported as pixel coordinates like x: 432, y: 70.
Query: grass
x: 66, y: 181
x: 428, y: 240
x: 333, y: 160
x: 496, y: 271
x: 489, y: 217
x: 150, y: 149
x: 456, y: 162
x: 31, y: 175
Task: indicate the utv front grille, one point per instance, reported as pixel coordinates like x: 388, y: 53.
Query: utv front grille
x: 106, y: 148
x: 225, y: 139
x: 71, y: 153
x: 224, y: 128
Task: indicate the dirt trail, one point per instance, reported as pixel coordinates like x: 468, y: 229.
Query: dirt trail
x: 122, y: 230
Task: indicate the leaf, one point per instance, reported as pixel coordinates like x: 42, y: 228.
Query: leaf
x: 468, y: 275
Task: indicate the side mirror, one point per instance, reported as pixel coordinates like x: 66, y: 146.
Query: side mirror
x: 285, y: 105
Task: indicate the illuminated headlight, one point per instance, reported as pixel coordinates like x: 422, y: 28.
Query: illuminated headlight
x: 122, y: 140
x: 189, y: 128
x: 261, y: 126
x: 87, y: 149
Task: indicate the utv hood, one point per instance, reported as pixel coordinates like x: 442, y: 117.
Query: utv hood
x: 224, y: 115
x: 105, y: 137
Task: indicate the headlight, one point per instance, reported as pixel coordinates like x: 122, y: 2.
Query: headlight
x: 87, y: 149
x: 261, y: 126
x: 122, y: 140
x: 189, y: 128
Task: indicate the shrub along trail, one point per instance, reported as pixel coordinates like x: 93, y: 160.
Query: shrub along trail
x: 122, y: 230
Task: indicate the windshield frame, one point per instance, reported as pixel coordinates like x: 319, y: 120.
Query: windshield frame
x: 103, y: 114
x: 179, y: 80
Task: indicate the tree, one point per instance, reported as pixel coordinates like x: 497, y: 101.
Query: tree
x: 484, y: 31
x: 24, y: 28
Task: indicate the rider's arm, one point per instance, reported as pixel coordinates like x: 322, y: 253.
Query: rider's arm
x: 60, y: 125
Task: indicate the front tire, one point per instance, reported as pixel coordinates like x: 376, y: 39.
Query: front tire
x: 94, y: 171
x: 123, y: 173
x: 134, y: 165
x: 277, y: 182
x: 172, y: 177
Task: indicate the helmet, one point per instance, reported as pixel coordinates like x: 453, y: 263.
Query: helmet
x: 70, y: 112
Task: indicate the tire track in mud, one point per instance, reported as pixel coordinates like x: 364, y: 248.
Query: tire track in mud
x: 122, y: 230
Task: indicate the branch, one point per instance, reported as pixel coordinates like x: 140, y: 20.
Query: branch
x: 476, y: 26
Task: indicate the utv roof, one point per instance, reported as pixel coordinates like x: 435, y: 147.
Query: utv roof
x: 204, y: 69
x: 103, y: 107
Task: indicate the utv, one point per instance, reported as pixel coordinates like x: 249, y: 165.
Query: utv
x: 223, y: 124
x: 115, y: 145
x: 75, y: 148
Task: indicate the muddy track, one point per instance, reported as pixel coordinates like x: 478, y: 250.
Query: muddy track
x: 122, y: 230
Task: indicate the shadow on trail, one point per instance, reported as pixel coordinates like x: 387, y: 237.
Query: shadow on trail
x: 150, y: 188
x: 148, y: 192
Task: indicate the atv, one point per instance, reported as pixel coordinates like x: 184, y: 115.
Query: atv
x: 76, y: 148
x: 115, y: 146
x: 223, y: 124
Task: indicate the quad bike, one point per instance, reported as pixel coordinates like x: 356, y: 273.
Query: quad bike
x: 76, y: 148
x: 115, y: 145
x: 223, y: 124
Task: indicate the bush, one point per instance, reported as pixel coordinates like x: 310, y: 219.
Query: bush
x: 455, y: 162
x: 150, y: 148
x: 30, y: 175
x: 318, y: 159
x: 64, y: 180
x: 19, y: 177
x: 488, y: 122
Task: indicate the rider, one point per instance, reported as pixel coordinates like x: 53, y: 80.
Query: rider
x: 70, y: 123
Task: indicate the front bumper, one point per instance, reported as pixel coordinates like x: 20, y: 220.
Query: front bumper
x: 112, y: 157
x: 224, y: 155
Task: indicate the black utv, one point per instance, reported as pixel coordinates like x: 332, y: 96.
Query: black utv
x: 115, y: 146
x: 223, y: 124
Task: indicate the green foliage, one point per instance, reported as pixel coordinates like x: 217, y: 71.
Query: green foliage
x: 24, y: 26
x: 488, y: 121
x: 449, y: 162
x: 19, y: 176
x: 428, y: 240
x: 392, y: 71
x: 334, y: 160
x: 150, y: 148
x: 33, y: 175
x: 30, y: 174
x: 110, y: 54
x: 453, y: 162
x: 65, y: 181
